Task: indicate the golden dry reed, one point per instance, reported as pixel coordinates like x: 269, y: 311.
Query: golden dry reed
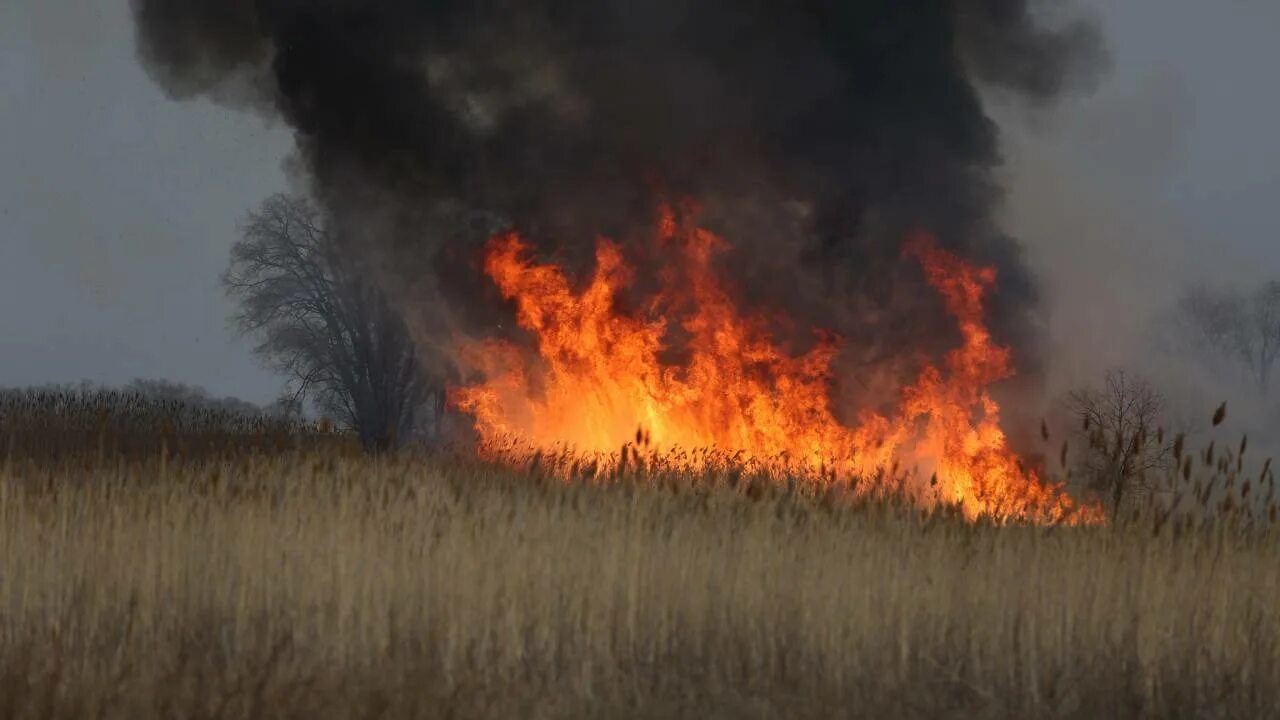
x: 314, y: 582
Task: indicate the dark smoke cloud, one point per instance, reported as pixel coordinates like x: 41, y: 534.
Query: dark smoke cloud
x: 815, y: 133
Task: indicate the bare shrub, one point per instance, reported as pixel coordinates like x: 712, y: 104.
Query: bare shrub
x: 1126, y: 452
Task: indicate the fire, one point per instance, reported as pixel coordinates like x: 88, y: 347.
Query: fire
x: 600, y: 374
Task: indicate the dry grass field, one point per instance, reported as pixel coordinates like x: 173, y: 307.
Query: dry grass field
x: 300, y: 579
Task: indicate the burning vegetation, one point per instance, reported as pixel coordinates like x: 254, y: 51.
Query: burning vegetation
x: 600, y: 373
x: 817, y: 135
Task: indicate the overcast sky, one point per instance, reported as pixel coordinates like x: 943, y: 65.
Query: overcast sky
x: 118, y: 206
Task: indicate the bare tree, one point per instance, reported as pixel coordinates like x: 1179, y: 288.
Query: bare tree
x: 1245, y: 328
x: 1261, y: 337
x: 1124, y: 444
x: 325, y: 324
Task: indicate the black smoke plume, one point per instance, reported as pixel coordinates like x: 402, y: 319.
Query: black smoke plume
x: 815, y: 134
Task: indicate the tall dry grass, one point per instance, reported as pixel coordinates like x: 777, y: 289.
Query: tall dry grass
x: 105, y: 425
x: 316, y: 583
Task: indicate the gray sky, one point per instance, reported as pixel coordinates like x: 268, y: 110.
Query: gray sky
x: 117, y: 209
x: 118, y: 206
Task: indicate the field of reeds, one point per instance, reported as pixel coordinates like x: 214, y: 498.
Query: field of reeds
x: 154, y: 565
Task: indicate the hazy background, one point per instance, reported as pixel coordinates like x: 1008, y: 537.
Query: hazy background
x: 118, y: 207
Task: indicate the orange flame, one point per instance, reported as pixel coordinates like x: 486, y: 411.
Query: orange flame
x: 602, y: 375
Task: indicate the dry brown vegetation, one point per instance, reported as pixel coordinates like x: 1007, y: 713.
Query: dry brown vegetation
x: 302, y: 579
x: 105, y: 425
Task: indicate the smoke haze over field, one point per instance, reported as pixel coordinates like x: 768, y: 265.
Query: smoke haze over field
x: 117, y: 207
x: 816, y: 135
x: 1165, y: 178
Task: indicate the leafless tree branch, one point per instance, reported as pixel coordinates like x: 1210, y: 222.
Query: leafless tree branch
x: 1125, y: 446
x: 324, y: 324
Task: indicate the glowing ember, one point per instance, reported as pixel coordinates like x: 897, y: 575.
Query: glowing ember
x: 601, y: 376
